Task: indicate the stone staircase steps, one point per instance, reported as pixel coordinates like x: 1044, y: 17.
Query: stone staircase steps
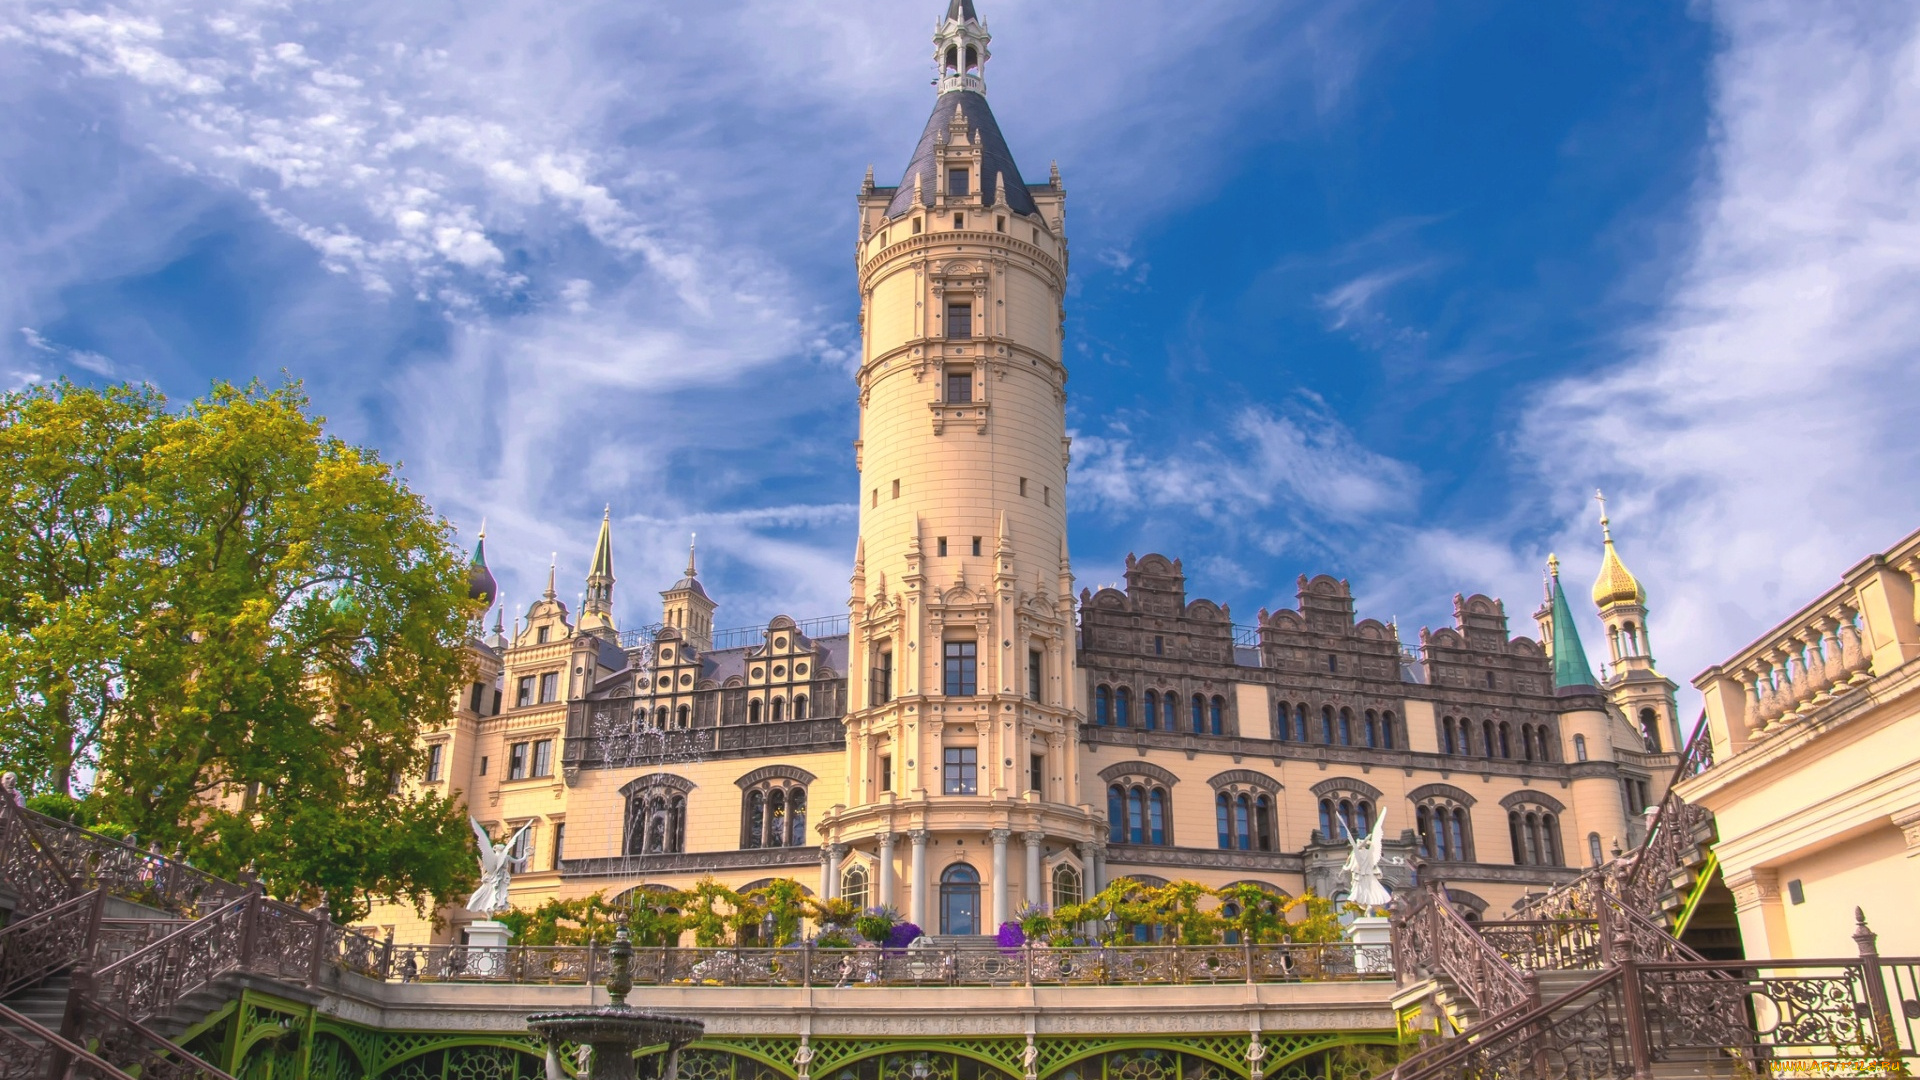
x: 44, y: 1003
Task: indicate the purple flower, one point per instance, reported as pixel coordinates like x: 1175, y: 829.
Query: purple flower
x: 1011, y: 936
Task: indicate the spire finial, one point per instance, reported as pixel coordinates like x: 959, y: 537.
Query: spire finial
x: 693, y: 540
x: 1601, y: 498
x: 483, y: 528
x: 553, y: 562
x: 1553, y: 566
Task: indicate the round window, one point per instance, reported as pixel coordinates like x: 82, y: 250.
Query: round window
x: 686, y: 680
x: 758, y: 672
x: 779, y: 643
x: 779, y: 670
x: 666, y: 654
x: 666, y: 680
x: 799, y: 669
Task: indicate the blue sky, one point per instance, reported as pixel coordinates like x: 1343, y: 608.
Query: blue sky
x: 1383, y: 289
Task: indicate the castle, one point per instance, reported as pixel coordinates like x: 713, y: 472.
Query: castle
x: 970, y: 736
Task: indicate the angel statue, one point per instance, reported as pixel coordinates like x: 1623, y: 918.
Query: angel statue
x: 496, y: 870
x: 1363, y: 866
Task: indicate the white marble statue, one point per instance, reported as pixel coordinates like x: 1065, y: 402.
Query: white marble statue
x: 496, y: 871
x: 1363, y: 866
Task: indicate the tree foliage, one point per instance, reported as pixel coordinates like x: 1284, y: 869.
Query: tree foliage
x: 243, y: 624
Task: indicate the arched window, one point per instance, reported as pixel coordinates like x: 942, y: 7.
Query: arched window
x: 1122, y: 701
x: 1066, y: 886
x: 1139, y: 811
x: 1216, y: 714
x: 799, y: 706
x: 1506, y: 740
x: 753, y: 711
x: 774, y: 814
x: 1346, y: 727
x: 1526, y: 742
x: 656, y: 816
x: 1150, y: 710
x: 683, y: 717
x: 1545, y: 738
x: 853, y: 886
x: 1444, y: 831
x: 1373, y: 728
x: 960, y: 900
x: 1650, y: 729
x: 1535, y: 834
x: 1282, y: 721
x: 1300, y: 722
x: 778, y: 712
x: 1327, y: 828
x: 1326, y: 724
x: 1579, y: 748
x: 1102, y: 705
x: 1447, y: 742
x: 1199, y: 714
x: 1386, y: 730
x: 1486, y: 738
x: 1594, y: 855
x: 1243, y: 816
x: 660, y: 717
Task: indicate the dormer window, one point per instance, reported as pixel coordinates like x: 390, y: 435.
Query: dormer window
x: 540, y: 635
x: 957, y: 183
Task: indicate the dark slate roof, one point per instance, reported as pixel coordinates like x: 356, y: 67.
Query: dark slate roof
x: 689, y: 583
x: 962, y: 10
x: 995, y: 159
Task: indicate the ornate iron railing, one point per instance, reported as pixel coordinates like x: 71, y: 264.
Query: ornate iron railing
x: 1430, y: 936
x: 32, y: 1052
x: 40, y: 944
x: 133, y: 1046
x: 28, y: 865
x: 73, y: 860
x: 943, y: 965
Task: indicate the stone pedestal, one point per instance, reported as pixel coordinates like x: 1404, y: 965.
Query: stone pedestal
x: 1373, y: 934
x: 486, y: 952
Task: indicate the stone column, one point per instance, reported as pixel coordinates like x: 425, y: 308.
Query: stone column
x: 826, y: 871
x: 886, y: 869
x: 835, y: 853
x: 917, y: 905
x: 999, y: 877
x: 1090, y: 865
x: 1763, y: 920
x: 1034, y: 890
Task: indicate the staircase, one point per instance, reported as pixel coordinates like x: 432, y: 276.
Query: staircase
x: 1592, y: 983
x: 111, y: 952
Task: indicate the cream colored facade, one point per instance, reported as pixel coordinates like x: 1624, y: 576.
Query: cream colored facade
x: 1815, y: 782
x: 972, y: 737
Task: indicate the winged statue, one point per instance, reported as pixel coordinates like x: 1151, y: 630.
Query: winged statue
x: 1363, y: 865
x: 496, y: 870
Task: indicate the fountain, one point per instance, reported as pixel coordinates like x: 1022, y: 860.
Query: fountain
x: 615, y: 1030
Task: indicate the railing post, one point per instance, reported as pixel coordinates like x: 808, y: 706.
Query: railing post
x: 1883, y: 1032
x: 1603, y: 925
x: 1639, y: 1054
x: 70, y: 1020
x: 1026, y: 956
x: 249, y: 925
x: 806, y: 964
x: 96, y: 913
x: 1246, y: 950
x: 386, y: 957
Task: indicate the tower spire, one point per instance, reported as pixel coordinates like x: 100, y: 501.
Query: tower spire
x: 480, y: 583
x: 553, y: 562
x: 1570, y: 667
x: 596, y: 606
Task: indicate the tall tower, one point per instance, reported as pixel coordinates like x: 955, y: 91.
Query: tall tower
x: 1633, y: 684
x: 961, y: 727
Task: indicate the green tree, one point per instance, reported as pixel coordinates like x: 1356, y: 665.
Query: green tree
x: 260, y: 621
x: 72, y: 462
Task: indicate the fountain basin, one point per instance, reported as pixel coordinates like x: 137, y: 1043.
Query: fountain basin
x: 614, y: 1032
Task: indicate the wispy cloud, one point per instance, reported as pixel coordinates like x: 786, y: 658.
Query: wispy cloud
x: 1759, y: 441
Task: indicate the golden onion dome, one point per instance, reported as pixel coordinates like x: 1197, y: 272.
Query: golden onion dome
x: 1616, y: 584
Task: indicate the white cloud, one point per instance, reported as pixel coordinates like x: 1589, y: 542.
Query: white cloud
x: 1760, y: 439
x: 1300, y: 460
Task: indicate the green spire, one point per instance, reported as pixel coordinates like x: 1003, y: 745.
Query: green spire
x: 1569, y: 657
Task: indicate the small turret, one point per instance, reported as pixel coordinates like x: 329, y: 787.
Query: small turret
x: 1570, y: 667
x: 480, y: 583
x: 686, y: 606
x: 960, y: 49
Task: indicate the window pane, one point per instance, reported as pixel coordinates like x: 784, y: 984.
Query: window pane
x: 543, y: 758
x: 957, y: 182
x: 961, y: 664
x: 959, y: 385
x: 961, y: 770
x: 960, y: 321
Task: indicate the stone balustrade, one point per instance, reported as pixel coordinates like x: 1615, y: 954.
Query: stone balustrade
x: 1831, y: 648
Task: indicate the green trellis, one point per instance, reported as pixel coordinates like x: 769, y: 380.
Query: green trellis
x: 262, y: 1037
